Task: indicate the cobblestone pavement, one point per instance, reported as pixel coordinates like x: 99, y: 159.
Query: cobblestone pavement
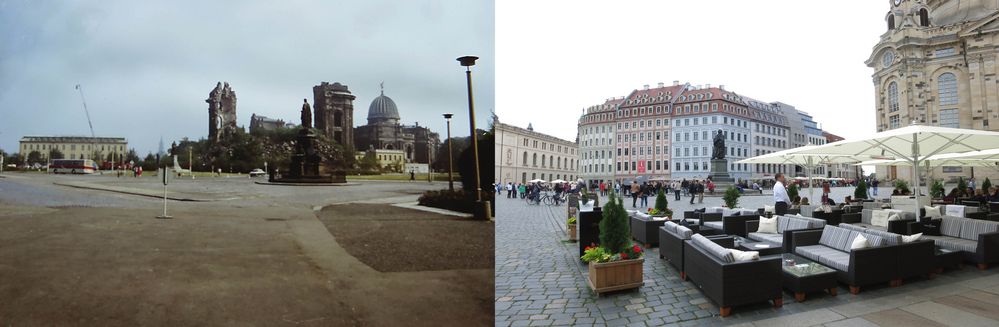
x: 541, y: 282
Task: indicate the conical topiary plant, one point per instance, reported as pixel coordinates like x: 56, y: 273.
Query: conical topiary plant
x: 661, y: 203
x: 937, y: 190
x: 614, y: 227
x: 861, y: 191
x: 731, y: 197
x: 962, y: 187
x: 986, y: 185
x: 792, y: 192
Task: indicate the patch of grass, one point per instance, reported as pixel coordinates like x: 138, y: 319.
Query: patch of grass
x: 403, y: 177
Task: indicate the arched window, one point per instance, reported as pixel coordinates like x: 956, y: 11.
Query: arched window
x: 542, y: 160
x: 924, y: 17
x: 947, y: 89
x: 892, y: 97
x: 891, y: 22
x: 550, y: 161
x: 525, y: 158
x: 535, y: 160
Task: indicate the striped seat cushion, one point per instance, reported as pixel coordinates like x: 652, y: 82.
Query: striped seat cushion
x: 951, y: 226
x: 835, y: 237
x: 856, y: 227
x: 714, y: 224
x: 957, y: 244
x: 712, y: 248
x: 671, y: 226
x: 825, y: 255
x: 766, y: 237
x: 797, y: 224
x: 971, y: 228
x: 684, y: 232
x: 782, y: 222
x: 889, y: 238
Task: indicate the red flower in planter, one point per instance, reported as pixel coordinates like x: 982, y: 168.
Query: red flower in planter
x: 624, y: 255
x: 637, y: 249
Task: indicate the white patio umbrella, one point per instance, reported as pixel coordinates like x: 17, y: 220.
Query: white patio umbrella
x: 537, y: 181
x: 558, y: 181
x: 913, y: 144
x: 808, y: 161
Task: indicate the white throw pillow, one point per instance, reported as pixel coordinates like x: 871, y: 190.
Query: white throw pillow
x: 767, y: 225
x: 879, y: 218
x: 742, y: 256
x: 769, y: 209
x: 827, y: 208
x: 893, y: 216
x: 911, y: 238
x: 860, y: 243
x: 932, y: 212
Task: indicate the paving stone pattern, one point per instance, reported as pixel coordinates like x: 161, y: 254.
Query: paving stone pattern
x: 540, y: 281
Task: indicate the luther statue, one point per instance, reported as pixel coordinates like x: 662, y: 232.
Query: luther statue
x: 719, y: 146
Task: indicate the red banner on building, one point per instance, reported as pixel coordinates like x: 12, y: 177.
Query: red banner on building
x: 641, y: 166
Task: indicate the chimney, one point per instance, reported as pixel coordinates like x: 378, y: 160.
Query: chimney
x: 708, y: 86
x: 698, y: 87
x: 661, y: 84
x: 675, y: 83
x: 722, y: 87
x: 645, y: 87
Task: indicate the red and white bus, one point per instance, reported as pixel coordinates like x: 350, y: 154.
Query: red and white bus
x: 72, y: 166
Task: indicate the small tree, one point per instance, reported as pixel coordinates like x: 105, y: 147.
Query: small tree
x: 962, y: 187
x: 861, y: 191
x: 792, y: 191
x: 731, y: 197
x: 986, y: 185
x: 661, y: 203
x: 937, y: 190
x: 34, y: 157
x: 56, y: 154
x: 614, y: 228
x: 902, y: 186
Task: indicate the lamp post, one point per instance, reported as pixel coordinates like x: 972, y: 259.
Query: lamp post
x: 450, y: 168
x: 468, y: 62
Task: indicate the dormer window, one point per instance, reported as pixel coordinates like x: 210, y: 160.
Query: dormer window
x: 924, y: 17
x: 891, y: 22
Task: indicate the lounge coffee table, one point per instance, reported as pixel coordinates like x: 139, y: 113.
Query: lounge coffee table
x: 802, y: 275
x: 764, y: 248
x: 947, y: 258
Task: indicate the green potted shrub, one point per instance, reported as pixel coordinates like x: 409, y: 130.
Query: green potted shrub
x: 792, y: 191
x: 861, y: 191
x: 902, y: 186
x: 962, y: 187
x: 986, y: 185
x: 731, y: 197
x: 937, y: 189
x: 661, y: 208
x: 616, y: 263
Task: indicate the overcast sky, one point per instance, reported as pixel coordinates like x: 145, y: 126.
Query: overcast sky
x: 555, y: 58
x: 147, y: 67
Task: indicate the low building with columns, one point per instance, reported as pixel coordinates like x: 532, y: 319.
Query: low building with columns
x: 524, y: 154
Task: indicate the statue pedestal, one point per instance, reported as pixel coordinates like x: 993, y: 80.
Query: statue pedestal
x: 305, y: 164
x: 720, y: 176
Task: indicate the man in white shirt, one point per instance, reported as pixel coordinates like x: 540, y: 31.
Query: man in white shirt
x: 780, y: 196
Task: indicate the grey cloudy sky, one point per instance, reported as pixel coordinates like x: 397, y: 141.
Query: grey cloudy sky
x: 147, y: 67
x: 809, y: 54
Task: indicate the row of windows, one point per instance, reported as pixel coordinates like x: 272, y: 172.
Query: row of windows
x: 550, y: 146
x: 660, y: 165
x: 550, y: 162
x: 641, y: 124
x: 703, y: 135
x: 766, y: 141
x: 714, y: 120
x: 946, y: 92
x: 72, y: 147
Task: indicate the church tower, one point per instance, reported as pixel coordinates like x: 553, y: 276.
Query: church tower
x: 334, y: 112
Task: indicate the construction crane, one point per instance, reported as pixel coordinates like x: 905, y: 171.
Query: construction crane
x: 93, y: 137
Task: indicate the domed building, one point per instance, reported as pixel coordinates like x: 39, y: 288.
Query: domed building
x: 385, y: 132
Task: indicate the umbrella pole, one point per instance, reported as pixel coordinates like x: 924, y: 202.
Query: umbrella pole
x: 811, y: 190
x: 915, y: 172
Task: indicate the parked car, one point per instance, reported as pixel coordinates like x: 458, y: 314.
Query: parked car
x: 257, y: 172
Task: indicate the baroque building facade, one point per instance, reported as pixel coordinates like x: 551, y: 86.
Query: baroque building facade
x: 666, y: 133
x: 935, y: 64
x: 385, y: 132
x: 525, y: 155
x: 75, y: 147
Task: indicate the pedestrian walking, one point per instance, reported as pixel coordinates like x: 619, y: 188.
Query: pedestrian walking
x: 509, y: 190
x: 634, y: 193
x: 676, y: 190
x: 692, y: 190
x: 522, y: 189
x: 644, y: 194
x: 781, y: 199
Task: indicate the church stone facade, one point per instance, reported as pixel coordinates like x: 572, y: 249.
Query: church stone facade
x: 935, y: 64
x: 221, y: 112
x: 334, y: 112
x: 385, y: 132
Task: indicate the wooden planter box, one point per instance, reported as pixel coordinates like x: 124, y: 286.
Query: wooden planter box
x: 617, y: 275
x: 571, y: 230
